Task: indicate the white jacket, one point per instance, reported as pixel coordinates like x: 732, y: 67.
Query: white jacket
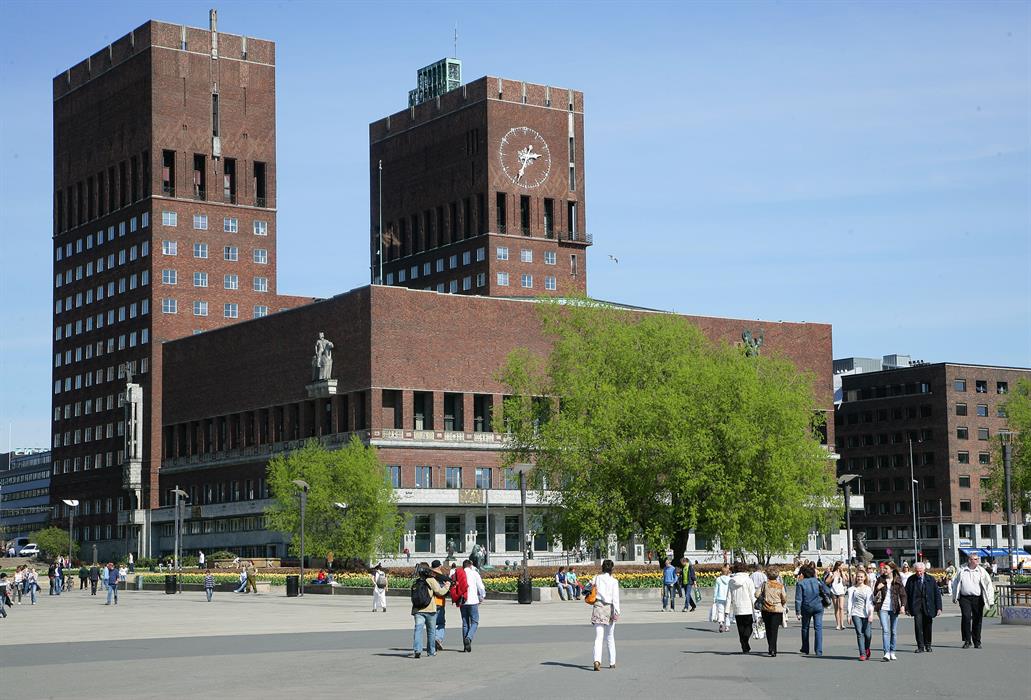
x: 476, y: 592
x: 607, y: 588
x: 987, y: 587
x: 741, y: 599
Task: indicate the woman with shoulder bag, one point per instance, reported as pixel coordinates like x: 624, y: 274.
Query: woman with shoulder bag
x: 889, y: 601
x: 811, y: 597
x: 605, y: 613
x: 772, y: 600
x: 835, y: 581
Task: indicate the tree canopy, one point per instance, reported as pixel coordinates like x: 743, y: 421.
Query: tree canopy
x: 352, y: 475
x: 647, y: 427
x: 1018, y: 416
x: 53, y: 541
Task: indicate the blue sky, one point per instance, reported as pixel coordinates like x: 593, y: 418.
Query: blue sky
x: 866, y: 165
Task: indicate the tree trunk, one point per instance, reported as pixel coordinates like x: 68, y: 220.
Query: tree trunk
x: 679, y: 544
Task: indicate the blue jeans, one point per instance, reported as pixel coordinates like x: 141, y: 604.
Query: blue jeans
x: 208, y: 592
x: 889, y: 628
x: 470, y: 621
x: 441, y: 634
x: 424, y: 628
x: 243, y: 585
x: 817, y: 619
x: 667, y: 595
x: 32, y: 593
x: 688, y: 599
x: 112, y: 590
x: 864, y: 633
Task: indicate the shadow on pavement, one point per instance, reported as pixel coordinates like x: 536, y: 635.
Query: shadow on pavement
x: 580, y: 667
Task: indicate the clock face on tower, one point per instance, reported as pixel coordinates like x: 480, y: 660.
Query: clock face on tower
x: 525, y: 157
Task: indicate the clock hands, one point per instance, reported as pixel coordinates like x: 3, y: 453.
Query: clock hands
x: 526, y: 156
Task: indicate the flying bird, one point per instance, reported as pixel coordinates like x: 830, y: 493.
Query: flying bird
x: 614, y: 259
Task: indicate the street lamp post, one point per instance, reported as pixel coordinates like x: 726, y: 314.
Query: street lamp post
x: 72, y: 505
x: 303, y: 486
x: 913, y: 487
x: 1007, y: 470
x: 845, y: 481
x: 522, y: 470
x: 178, y: 525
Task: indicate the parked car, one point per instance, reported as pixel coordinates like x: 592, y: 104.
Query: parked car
x: 29, y: 550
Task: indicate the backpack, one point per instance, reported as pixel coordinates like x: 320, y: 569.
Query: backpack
x: 381, y: 580
x: 421, y: 597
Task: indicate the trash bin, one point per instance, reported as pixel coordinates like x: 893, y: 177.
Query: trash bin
x: 524, y: 591
x: 170, y: 584
x: 293, y: 584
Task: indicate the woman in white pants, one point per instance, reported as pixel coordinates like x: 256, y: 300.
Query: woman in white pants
x: 605, y: 613
x: 379, y: 588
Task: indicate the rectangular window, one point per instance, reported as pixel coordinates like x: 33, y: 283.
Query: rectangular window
x: 502, y: 279
x: 231, y: 253
x: 571, y: 219
x: 467, y: 257
x: 231, y: 282
x: 483, y: 478
x: 549, y: 218
x: 502, y: 252
x: 200, y: 222
x: 524, y: 215
x: 1002, y: 387
x: 200, y: 250
x: 200, y: 279
x: 984, y: 458
x: 260, y: 311
x: 394, y: 472
x: 961, y: 409
x: 526, y: 281
x: 230, y: 311
x: 168, y: 306
x: 170, y: 219
x: 260, y: 228
x: 481, y: 279
x: 423, y: 477
x: 168, y: 277
x: 549, y: 283
x: 549, y: 257
x: 962, y: 433
x: 261, y: 284
x: 981, y: 386
x: 200, y: 308
x: 230, y: 224
x: 500, y: 213
x: 167, y: 177
x: 453, y: 478
x: 525, y: 255
x: 229, y: 181
x: 982, y: 410
x: 964, y: 481
x: 982, y: 433
x: 453, y: 286
x: 169, y: 248
x: 959, y: 385
x: 260, y: 194
x: 260, y: 256
x: 963, y: 457
x: 481, y: 254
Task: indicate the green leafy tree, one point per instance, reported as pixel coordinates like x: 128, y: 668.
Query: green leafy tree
x: 1018, y: 416
x: 54, y: 542
x: 649, y: 428
x: 351, y: 475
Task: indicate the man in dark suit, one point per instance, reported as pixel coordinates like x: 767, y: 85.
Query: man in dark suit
x: 924, y: 604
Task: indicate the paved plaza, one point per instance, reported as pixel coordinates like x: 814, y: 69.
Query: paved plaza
x: 157, y: 646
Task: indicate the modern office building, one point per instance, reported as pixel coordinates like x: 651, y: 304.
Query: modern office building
x: 164, y: 226
x: 938, y: 425
x: 24, y: 493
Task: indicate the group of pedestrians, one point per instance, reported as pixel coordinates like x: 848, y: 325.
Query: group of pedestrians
x: 432, y: 586
x: 24, y: 583
x: 678, y: 581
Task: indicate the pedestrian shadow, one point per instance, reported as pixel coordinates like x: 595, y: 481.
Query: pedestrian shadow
x: 713, y: 653
x: 710, y: 630
x: 396, y: 652
x: 580, y: 667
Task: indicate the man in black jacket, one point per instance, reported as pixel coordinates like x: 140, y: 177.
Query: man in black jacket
x: 924, y: 604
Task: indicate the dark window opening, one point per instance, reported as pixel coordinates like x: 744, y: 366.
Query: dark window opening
x: 500, y: 214
x: 440, y: 226
x: 422, y: 410
x: 90, y: 209
x: 145, y: 174
x: 417, y: 241
x: 481, y: 214
x: 199, y: 176
x: 454, y: 420
x: 453, y: 223
x: 260, y: 194
x: 482, y: 406
x: 134, y: 179
x: 168, y: 173
x: 60, y: 211
x: 571, y: 219
x: 549, y: 218
x: 214, y: 114
x: 229, y: 180
x: 100, y: 193
x: 392, y: 417
x: 402, y: 234
x: 78, y: 202
x: 431, y: 230
x: 453, y: 532
x: 524, y: 215
x: 467, y: 218
x: 359, y: 412
x: 123, y: 185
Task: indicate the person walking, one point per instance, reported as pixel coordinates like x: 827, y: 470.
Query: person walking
x: 440, y: 633
x: 252, y: 578
x: 200, y: 559
x: 19, y: 582
x: 741, y: 603
x: 52, y: 575
x: 243, y: 581
x: 773, y: 599
x: 834, y: 580
x: 209, y: 585
x: 925, y: 604
x: 669, y: 580
x: 719, y: 598
x: 688, y: 580
x: 889, y: 601
x: 974, y: 591
x: 474, y: 595
x: 380, y: 585
x: 94, y: 577
x: 112, y: 583
x: 605, y: 613
x: 32, y: 584
x: 859, y: 604
x: 425, y: 591
x: 810, y: 594
x: 950, y: 574
x: 83, y: 575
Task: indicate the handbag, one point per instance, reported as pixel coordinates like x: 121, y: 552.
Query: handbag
x: 759, y: 630
x: 758, y: 604
x: 592, y: 596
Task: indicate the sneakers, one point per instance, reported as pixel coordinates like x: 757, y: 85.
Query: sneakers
x: 417, y: 655
x: 893, y: 657
x: 967, y: 645
x: 862, y: 657
x: 612, y: 665
x: 887, y: 657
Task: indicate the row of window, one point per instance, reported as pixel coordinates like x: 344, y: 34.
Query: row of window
x: 126, y: 340
x: 200, y: 308
x: 899, y: 483
x: 86, y: 200
x: 980, y: 386
x: 889, y: 461
x: 207, y: 527
x: 69, y: 465
x: 28, y: 493
x: 22, y: 478
x: 882, y: 415
x: 220, y: 492
x: 86, y: 298
x: 482, y: 478
x: 102, y: 263
x: 984, y: 482
x: 982, y: 457
x: 67, y: 250
x: 963, y: 433
x: 526, y: 255
x: 870, y: 439
x: 200, y: 279
x: 886, y: 390
x: 84, y: 435
x: 110, y: 317
x: 988, y: 532
x: 230, y: 224
x: 526, y: 281
x: 982, y: 410
x: 97, y: 404
x: 230, y: 253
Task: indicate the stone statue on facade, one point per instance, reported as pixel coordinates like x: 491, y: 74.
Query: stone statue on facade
x: 322, y: 362
x: 451, y: 549
x: 862, y: 553
x: 752, y: 343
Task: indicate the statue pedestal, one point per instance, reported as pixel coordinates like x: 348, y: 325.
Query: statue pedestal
x: 321, y: 388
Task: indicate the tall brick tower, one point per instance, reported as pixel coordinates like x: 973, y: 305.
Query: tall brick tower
x: 482, y: 188
x: 164, y: 225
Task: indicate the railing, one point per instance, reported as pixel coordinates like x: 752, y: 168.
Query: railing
x: 229, y: 197
x: 525, y: 230
x: 262, y: 450
x: 261, y: 202
x: 198, y: 193
x: 1016, y: 595
x: 577, y: 237
x: 168, y: 189
x: 502, y: 228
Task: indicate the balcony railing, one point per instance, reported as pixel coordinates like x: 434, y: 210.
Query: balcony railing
x: 198, y: 193
x: 576, y: 237
x: 261, y: 202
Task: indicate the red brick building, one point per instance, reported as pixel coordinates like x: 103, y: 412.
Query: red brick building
x: 164, y: 225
